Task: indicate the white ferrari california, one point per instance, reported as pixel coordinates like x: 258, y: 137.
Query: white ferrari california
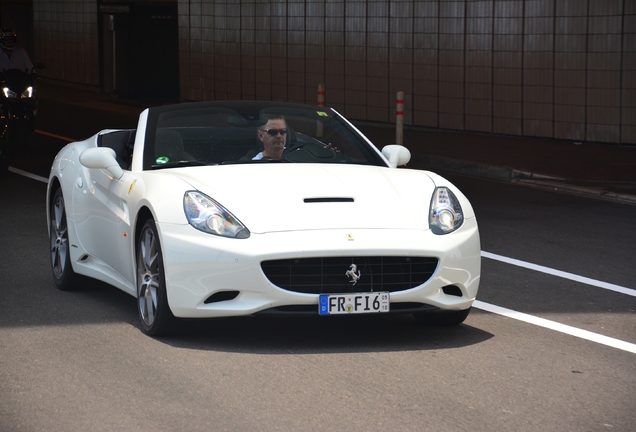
x: 217, y: 209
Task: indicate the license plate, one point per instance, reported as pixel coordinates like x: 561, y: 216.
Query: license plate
x: 354, y: 303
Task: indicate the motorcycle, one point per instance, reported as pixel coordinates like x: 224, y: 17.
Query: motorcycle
x: 18, y: 110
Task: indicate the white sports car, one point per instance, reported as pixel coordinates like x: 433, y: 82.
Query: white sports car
x: 217, y: 209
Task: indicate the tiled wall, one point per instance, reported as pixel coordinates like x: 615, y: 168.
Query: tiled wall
x: 552, y: 68
x: 66, y: 39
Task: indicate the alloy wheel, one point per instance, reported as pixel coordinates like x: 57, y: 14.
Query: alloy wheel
x: 148, y: 276
x: 59, y: 237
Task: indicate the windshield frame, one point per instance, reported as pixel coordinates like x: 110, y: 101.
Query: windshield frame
x: 246, y: 117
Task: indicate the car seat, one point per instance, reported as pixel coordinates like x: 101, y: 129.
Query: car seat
x: 168, y: 143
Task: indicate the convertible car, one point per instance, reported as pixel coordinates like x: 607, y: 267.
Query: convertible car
x: 189, y: 214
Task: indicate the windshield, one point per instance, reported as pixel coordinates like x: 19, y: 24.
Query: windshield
x: 251, y: 133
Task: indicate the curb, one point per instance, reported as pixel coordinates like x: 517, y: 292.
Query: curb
x: 472, y: 169
x: 510, y: 175
x: 563, y: 186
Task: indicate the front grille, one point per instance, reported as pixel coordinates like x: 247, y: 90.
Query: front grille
x: 329, y: 275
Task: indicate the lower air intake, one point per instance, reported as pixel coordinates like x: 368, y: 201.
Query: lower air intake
x: 222, y: 296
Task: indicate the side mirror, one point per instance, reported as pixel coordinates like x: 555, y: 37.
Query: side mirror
x: 396, y: 154
x: 101, y: 158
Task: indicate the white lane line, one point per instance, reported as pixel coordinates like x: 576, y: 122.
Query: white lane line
x: 28, y: 174
x: 52, y: 135
x: 553, y: 325
x: 559, y: 273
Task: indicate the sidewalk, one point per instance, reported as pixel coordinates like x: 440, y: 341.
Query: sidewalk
x: 606, y: 171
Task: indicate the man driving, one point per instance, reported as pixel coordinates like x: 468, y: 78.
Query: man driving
x: 273, y: 135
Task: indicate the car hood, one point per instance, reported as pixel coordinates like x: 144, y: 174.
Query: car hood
x: 286, y: 197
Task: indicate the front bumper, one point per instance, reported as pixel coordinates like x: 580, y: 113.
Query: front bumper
x: 199, y: 265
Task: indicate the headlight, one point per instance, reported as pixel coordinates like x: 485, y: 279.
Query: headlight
x: 28, y: 93
x: 8, y: 93
x: 446, y: 213
x: 208, y: 216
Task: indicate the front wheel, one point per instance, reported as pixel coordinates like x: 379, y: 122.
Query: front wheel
x: 152, y: 299
x: 63, y: 275
x: 442, y: 319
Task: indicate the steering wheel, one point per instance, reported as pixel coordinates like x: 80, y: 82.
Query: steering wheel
x: 296, y: 145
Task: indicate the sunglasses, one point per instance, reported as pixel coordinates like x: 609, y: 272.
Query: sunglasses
x: 274, y: 132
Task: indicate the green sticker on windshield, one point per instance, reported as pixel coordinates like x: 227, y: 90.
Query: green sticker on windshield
x: 322, y: 114
x: 162, y: 160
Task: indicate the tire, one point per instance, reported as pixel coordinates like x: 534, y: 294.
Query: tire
x: 152, y: 299
x: 63, y: 275
x: 442, y: 319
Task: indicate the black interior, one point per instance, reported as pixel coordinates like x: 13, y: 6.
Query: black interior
x: 122, y: 142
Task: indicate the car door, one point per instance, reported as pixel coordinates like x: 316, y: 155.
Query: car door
x: 102, y: 217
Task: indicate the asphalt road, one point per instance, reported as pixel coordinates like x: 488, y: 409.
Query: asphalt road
x: 557, y: 353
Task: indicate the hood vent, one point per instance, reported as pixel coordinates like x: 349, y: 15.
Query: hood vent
x: 327, y: 200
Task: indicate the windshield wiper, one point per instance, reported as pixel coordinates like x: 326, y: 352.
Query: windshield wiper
x: 179, y: 164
